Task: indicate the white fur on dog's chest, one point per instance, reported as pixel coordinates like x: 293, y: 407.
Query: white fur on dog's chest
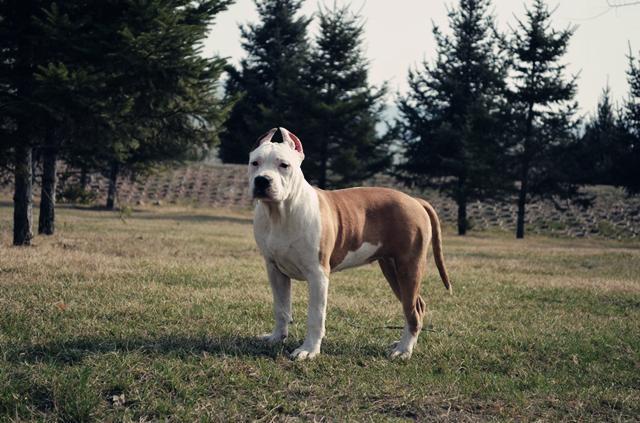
x: 291, y: 242
x: 287, y: 256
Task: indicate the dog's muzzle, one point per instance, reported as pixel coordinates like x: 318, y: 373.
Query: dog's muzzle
x: 261, y: 187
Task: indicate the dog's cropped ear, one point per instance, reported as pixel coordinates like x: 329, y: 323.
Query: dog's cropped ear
x: 266, y: 137
x: 293, y: 141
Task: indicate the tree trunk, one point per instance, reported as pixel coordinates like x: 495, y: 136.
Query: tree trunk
x: 34, y: 165
x: 113, y: 188
x: 22, y: 197
x: 84, y: 179
x: 462, y: 218
x: 462, y: 209
x: 322, y: 181
x: 524, y: 177
x: 524, y: 186
x: 46, y: 222
x: 522, y: 203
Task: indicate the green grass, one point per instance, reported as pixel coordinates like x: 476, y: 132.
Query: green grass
x: 151, y: 316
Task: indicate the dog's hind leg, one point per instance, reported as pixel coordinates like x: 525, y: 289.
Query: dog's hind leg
x: 409, y: 275
x: 388, y: 268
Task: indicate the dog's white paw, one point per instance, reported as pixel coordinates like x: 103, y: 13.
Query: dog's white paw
x: 304, y: 353
x: 400, y: 355
x: 400, y: 352
x: 272, y: 338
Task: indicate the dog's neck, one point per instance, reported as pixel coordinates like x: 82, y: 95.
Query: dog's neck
x: 295, y: 205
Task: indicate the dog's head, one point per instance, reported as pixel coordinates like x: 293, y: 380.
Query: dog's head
x: 274, y: 167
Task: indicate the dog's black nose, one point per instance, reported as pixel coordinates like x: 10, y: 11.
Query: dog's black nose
x: 261, y: 183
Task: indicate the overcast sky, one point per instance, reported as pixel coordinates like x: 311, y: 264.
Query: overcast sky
x: 398, y: 36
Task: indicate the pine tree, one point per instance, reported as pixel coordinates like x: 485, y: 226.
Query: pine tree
x: 628, y: 174
x: 269, y: 86
x: 115, y: 85
x: 341, y: 143
x: 598, y: 150
x: 137, y: 70
x: 451, y: 119
x: 544, y: 109
x: 20, y: 54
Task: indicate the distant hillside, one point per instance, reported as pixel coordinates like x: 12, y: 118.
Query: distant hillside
x: 613, y: 215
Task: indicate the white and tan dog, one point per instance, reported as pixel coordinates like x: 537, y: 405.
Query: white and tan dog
x: 306, y: 233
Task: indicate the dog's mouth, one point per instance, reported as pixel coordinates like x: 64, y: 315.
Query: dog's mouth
x: 263, y: 194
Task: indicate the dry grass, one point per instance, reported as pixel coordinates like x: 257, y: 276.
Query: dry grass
x: 151, y: 316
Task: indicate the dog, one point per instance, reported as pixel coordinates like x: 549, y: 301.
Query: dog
x: 306, y: 233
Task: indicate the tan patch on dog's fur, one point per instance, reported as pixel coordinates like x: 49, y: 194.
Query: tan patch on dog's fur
x: 400, y: 223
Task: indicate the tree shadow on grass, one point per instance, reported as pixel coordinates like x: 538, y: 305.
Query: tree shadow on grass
x: 193, y: 218
x: 143, y: 214
x: 74, y: 351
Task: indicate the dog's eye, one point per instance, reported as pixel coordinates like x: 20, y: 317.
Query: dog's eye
x: 254, y: 163
x: 284, y: 165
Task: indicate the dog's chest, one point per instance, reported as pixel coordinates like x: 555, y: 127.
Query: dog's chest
x: 288, y: 258
x: 292, y: 241
x: 290, y: 255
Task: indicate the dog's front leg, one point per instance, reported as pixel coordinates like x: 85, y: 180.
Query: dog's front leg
x: 318, y: 287
x: 281, y: 290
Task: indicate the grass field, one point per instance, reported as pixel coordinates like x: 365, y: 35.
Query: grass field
x: 151, y: 316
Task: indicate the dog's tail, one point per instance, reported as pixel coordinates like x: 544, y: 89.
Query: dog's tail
x: 437, y: 243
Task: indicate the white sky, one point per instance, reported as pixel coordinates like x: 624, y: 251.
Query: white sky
x: 398, y: 35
